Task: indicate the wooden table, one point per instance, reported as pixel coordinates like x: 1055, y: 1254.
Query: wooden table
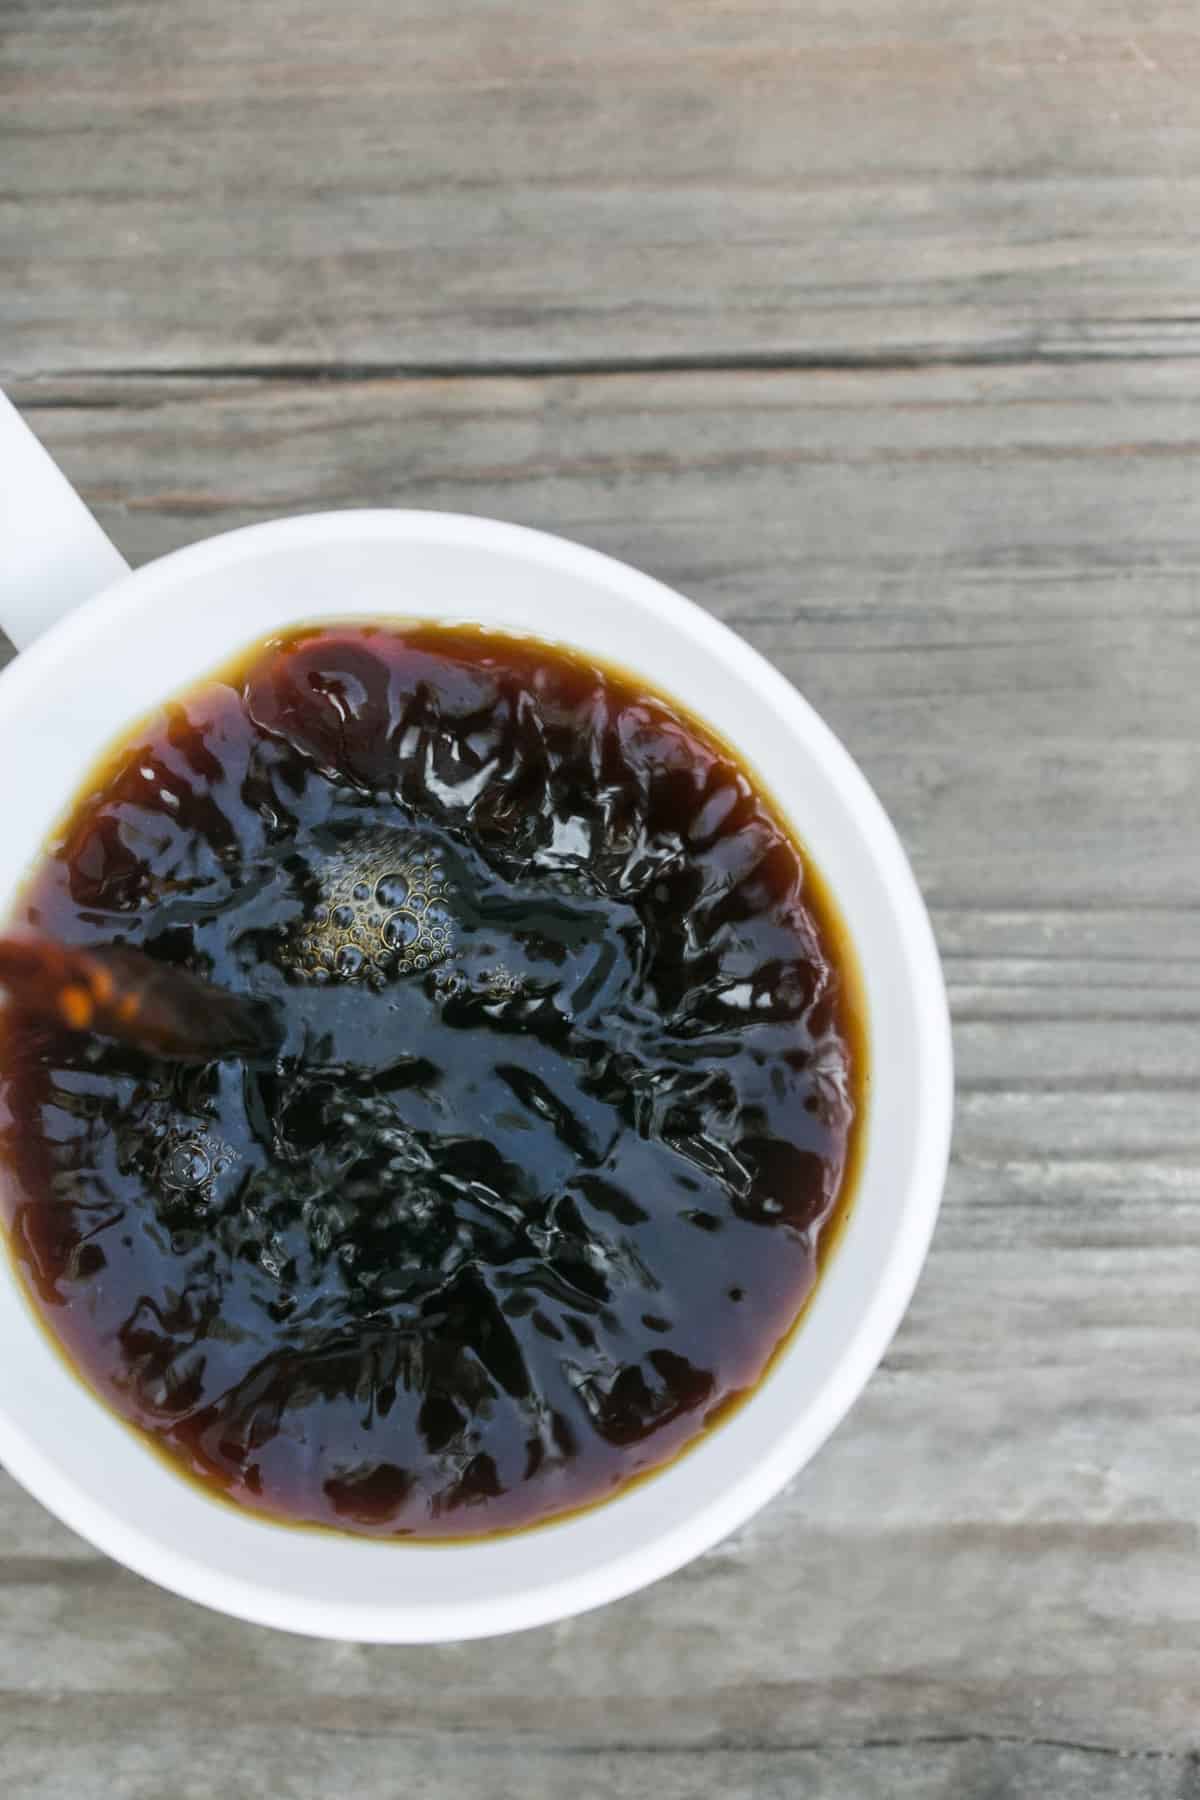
x: 873, y: 325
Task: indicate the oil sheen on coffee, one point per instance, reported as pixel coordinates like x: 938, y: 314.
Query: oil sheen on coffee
x: 566, y: 1101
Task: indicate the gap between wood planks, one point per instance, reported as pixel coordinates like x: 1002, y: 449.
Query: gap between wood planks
x: 1001, y: 355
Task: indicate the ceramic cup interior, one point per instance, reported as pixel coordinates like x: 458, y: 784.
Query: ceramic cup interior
x: 92, y: 675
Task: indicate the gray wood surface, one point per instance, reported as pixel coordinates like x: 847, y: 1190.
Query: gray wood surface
x: 872, y: 325
x: 470, y: 182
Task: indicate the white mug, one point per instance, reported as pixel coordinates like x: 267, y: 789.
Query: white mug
x: 99, y: 648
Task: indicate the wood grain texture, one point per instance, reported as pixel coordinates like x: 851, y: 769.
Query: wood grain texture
x: 470, y: 182
x: 987, y: 1584
x: 173, y: 1754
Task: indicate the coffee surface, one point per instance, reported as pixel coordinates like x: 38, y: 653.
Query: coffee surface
x: 566, y: 1096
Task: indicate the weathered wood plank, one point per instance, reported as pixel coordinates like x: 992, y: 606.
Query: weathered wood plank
x: 448, y: 183
x: 52, y: 1756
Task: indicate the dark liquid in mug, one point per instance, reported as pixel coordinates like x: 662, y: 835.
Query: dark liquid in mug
x: 566, y: 1097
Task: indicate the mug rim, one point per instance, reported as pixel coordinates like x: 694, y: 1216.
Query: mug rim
x: 692, y: 1533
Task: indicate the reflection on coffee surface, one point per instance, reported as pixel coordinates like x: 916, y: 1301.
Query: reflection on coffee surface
x: 564, y: 1103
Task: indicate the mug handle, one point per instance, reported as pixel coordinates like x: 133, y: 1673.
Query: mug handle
x: 52, y: 552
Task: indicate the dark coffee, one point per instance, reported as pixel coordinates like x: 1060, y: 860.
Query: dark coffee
x: 565, y: 1101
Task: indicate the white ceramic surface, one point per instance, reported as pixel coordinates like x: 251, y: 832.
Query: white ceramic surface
x: 109, y: 660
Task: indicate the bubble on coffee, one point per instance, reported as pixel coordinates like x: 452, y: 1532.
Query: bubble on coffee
x: 190, y: 1162
x: 380, y: 911
x: 183, y: 1161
